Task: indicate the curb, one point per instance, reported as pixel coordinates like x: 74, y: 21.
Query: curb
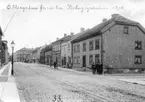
x: 3, y: 68
x: 1, y: 86
x: 140, y: 82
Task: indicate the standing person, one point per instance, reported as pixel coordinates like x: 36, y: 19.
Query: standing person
x: 93, y: 68
x: 54, y: 64
x: 98, y: 66
x: 101, y: 68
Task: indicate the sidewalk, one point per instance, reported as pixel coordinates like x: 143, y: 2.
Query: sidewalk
x: 134, y: 81
x: 140, y: 81
x: 8, y: 88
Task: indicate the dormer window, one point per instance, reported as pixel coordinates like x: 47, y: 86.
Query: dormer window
x: 126, y: 29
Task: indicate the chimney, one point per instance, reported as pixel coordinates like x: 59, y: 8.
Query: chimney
x: 57, y: 38
x: 65, y: 35
x: 72, y: 34
x: 82, y: 29
x: 114, y: 15
x: 104, y: 20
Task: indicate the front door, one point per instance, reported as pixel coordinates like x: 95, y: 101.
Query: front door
x: 84, y: 61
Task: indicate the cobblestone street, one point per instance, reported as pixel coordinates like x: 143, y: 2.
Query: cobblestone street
x: 40, y: 83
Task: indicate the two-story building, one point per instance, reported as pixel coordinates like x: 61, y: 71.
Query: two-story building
x: 56, y: 49
x: 66, y: 51
x: 117, y: 43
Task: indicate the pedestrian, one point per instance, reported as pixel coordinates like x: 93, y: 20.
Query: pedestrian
x: 93, y: 68
x: 99, y: 67
x: 54, y: 64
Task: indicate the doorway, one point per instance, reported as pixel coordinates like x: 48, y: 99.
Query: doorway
x: 84, y: 61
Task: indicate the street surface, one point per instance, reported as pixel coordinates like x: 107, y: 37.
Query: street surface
x: 41, y: 83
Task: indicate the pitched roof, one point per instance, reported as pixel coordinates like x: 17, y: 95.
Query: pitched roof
x: 64, y: 39
x: 99, y: 29
x: 35, y: 49
x: 78, y: 35
x: 47, y: 48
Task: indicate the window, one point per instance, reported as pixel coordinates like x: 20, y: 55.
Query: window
x: 78, y: 48
x: 84, y: 47
x: 97, y: 44
x: 64, y: 48
x: 78, y: 60
x: 91, y: 45
x: 90, y: 59
x: 138, y: 45
x: 74, y: 60
x: 126, y: 29
x: 138, y: 59
x: 97, y: 58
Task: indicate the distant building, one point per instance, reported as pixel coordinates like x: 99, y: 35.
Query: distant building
x: 36, y: 54
x: 48, y: 55
x: 41, y: 53
x: 24, y: 55
x: 117, y: 43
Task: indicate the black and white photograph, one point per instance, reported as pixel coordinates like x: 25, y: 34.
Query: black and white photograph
x: 72, y: 51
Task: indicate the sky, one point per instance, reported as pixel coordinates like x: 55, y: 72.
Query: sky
x: 42, y: 21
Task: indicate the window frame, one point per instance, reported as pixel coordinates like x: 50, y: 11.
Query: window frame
x: 136, y: 57
x: 138, y: 43
x: 98, y: 57
x: 90, y: 60
x: 78, y: 48
x: 91, y: 42
x: 84, y: 47
x: 126, y: 29
x: 97, y: 44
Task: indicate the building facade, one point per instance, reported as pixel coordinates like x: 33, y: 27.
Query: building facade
x: 56, y: 52
x: 48, y: 58
x: 24, y: 55
x: 56, y: 49
x: 117, y: 43
x: 36, y: 55
x: 66, y: 52
x: 86, y: 52
x: 47, y: 54
x: 4, y: 56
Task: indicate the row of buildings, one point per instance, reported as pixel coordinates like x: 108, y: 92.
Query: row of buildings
x: 4, y: 55
x: 118, y: 43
